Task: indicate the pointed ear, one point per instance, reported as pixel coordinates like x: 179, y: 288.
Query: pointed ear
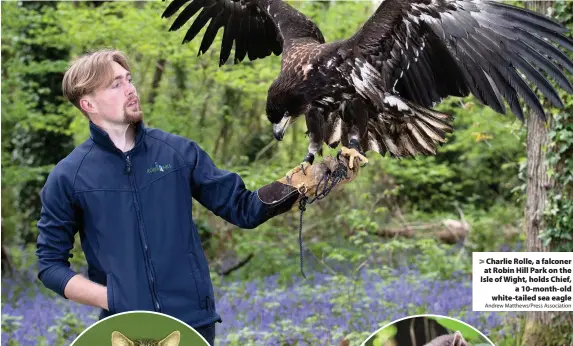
x: 171, y: 339
x: 118, y: 339
x: 458, y: 339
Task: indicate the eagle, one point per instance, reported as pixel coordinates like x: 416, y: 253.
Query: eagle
x: 377, y: 89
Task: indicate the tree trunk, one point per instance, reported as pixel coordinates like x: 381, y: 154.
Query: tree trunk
x: 537, y: 184
x: 537, y: 181
x: 541, y: 327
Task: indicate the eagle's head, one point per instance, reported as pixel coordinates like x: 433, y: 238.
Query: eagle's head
x: 284, y: 106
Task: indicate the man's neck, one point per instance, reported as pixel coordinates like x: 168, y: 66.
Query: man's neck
x: 122, y: 135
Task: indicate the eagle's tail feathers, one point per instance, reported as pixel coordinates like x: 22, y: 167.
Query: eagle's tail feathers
x: 408, y: 132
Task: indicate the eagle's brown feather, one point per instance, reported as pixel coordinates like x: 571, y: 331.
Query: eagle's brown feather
x: 376, y: 89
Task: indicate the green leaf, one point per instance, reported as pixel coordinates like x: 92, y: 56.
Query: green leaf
x: 468, y: 332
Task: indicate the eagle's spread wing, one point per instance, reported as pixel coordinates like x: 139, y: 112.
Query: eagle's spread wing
x: 258, y: 28
x: 426, y: 50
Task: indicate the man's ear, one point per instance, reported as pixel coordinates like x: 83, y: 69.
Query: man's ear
x: 87, y: 105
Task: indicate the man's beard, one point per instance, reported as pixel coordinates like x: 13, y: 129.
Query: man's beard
x: 131, y: 115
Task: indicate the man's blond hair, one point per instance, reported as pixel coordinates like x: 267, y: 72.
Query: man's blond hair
x: 91, y: 72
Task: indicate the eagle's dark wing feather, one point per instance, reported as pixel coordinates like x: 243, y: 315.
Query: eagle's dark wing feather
x: 393, y: 124
x: 426, y: 50
x: 258, y: 28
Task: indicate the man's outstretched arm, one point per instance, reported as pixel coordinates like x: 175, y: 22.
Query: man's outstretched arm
x: 225, y: 194
x: 57, y: 227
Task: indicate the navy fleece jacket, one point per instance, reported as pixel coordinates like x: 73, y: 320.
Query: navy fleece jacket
x: 133, y: 213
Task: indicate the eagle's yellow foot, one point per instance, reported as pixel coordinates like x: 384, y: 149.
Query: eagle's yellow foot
x: 352, y: 154
x: 303, y: 166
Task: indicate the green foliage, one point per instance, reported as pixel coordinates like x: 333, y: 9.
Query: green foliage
x: 469, y: 333
x: 500, y: 226
x: 484, y: 144
x: 441, y: 261
x: 66, y: 327
x: 11, y: 323
x: 34, y: 132
x: 383, y: 335
x: 559, y: 211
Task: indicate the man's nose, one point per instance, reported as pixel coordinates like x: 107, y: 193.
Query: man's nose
x: 130, y: 89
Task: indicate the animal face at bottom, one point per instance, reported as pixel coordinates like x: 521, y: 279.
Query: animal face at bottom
x: 455, y: 339
x: 118, y: 339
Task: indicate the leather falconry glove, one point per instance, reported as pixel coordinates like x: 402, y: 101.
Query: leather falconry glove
x: 281, y: 195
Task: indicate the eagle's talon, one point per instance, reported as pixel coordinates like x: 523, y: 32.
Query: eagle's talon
x: 294, y: 171
x: 352, y: 154
x: 304, y: 166
x: 290, y: 174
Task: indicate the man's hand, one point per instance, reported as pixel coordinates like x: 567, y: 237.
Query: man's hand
x: 87, y: 292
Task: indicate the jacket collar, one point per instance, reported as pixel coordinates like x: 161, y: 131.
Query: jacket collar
x: 101, y: 138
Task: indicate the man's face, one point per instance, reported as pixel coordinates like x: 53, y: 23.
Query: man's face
x: 115, y: 103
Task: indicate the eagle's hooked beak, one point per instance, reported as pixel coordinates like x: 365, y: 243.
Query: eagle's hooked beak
x: 280, y: 128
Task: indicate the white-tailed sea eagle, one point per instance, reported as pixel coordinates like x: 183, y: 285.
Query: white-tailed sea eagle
x: 374, y: 91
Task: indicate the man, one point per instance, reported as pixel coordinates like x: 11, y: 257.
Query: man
x: 127, y: 190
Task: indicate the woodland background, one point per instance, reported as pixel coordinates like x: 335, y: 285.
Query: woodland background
x: 378, y: 250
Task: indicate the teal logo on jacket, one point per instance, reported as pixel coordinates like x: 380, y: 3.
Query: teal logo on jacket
x: 158, y: 168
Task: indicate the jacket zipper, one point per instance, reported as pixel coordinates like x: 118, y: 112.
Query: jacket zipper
x: 156, y: 304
